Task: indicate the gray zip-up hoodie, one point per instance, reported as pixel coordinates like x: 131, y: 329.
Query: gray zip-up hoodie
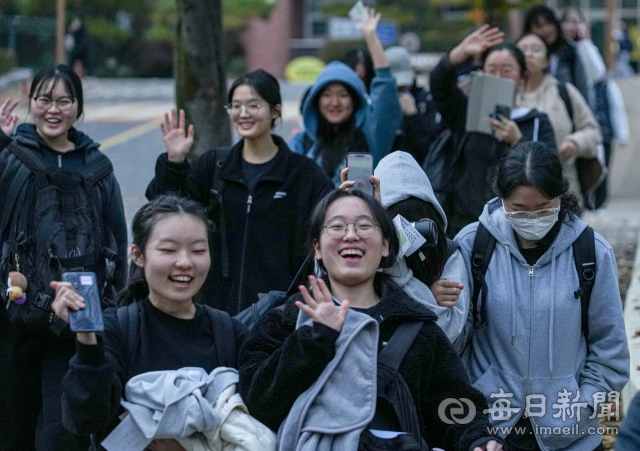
x: 400, y: 178
x: 533, y: 346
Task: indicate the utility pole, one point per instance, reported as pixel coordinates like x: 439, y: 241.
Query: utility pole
x: 61, y: 57
x: 609, y: 56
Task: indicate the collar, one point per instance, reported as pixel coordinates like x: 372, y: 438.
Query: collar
x: 231, y: 171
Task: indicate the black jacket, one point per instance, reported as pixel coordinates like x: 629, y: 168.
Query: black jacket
x: 94, y: 384
x: 107, y: 192
x: 266, y: 229
x: 279, y: 362
x: 480, y: 153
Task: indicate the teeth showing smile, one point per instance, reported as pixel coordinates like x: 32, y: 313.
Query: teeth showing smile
x: 182, y: 279
x: 351, y: 253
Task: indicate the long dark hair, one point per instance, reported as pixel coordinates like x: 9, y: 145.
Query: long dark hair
x: 58, y: 74
x: 142, y: 227
x: 430, y: 270
x: 353, y: 57
x: 538, y: 12
x: 380, y: 215
x: 263, y: 83
x: 513, y: 51
x: 534, y: 164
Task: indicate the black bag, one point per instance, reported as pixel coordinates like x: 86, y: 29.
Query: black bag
x: 393, y: 391
x: 52, y: 228
x: 440, y: 161
x: 584, y: 256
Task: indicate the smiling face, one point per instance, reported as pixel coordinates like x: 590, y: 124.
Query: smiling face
x: 535, y: 52
x: 176, y: 259
x: 252, y: 116
x: 352, y: 260
x: 335, y: 103
x: 53, y: 123
x: 501, y: 63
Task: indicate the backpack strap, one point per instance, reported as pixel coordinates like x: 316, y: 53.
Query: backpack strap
x: 95, y: 170
x: 564, y: 95
x: 129, y: 323
x: 221, y: 154
x: 12, y: 193
x: 398, y: 345
x: 483, y: 246
x: 223, y: 337
x: 35, y: 165
x: 452, y: 247
x: 584, y: 255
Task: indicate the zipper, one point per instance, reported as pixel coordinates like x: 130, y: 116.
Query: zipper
x: 530, y: 271
x: 60, y: 161
x: 528, y: 384
x: 244, y: 250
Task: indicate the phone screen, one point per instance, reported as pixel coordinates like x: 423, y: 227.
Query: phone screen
x: 360, y: 170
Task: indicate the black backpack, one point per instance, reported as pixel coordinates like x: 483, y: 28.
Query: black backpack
x: 129, y: 322
x: 584, y: 255
x: 52, y: 228
x: 393, y: 390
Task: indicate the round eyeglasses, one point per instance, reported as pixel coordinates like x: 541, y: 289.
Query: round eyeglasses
x: 531, y: 214
x: 235, y: 109
x: 337, y: 229
x: 45, y: 103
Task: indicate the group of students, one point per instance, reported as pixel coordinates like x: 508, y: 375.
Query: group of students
x: 240, y: 221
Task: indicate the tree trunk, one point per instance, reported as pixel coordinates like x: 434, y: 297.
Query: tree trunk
x: 200, y: 72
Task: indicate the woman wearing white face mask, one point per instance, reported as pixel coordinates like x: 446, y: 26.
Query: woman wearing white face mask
x: 530, y: 349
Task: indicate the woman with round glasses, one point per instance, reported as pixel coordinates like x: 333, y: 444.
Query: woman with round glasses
x: 33, y: 360
x: 266, y: 194
x: 542, y: 369
x: 577, y: 133
x: 307, y: 343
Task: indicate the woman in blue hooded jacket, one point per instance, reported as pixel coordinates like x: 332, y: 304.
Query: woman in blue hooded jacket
x: 340, y: 118
x: 542, y: 369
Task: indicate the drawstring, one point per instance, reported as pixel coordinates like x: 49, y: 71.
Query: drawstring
x: 552, y: 306
x: 513, y: 295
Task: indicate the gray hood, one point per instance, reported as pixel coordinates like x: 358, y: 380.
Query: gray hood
x: 402, y: 177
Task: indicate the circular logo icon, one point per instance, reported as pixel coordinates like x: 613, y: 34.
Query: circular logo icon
x: 451, y: 410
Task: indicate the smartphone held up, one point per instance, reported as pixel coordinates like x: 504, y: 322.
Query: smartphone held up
x: 360, y: 166
x: 89, y: 319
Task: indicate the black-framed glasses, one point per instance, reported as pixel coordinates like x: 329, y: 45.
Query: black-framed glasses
x: 337, y: 229
x: 45, y: 103
x: 251, y: 108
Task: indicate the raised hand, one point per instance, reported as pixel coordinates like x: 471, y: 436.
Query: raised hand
x: 370, y: 24
x: 8, y: 120
x: 346, y: 184
x: 176, y: 140
x: 321, y: 308
x: 446, y: 292
x: 474, y: 44
x: 506, y: 130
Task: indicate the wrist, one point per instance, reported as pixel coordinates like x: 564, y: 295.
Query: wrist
x: 176, y: 159
x: 87, y: 338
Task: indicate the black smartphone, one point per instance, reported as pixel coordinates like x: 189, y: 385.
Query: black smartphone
x: 360, y: 166
x: 501, y: 110
x: 89, y: 319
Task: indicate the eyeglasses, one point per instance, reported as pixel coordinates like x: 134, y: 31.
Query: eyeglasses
x: 533, y: 51
x: 337, y: 229
x: 45, y: 103
x: 531, y: 214
x: 235, y: 109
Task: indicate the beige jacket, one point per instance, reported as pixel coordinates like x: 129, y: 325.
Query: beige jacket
x: 584, y: 130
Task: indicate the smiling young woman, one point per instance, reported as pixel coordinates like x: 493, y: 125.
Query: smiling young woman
x: 266, y: 195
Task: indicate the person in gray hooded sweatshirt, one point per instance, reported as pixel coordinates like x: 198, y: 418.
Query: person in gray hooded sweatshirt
x: 531, y: 358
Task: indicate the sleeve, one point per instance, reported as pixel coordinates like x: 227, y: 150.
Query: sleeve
x: 384, y: 114
x: 92, y: 388
x: 240, y: 334
x: 449, y: 100
x: 117, y: 224
x: 617, y: 112
x: 465, y: 239
x: 586, y: 133
x: 580, y: 76
x: 606, y: 367
x: 546, y: 134
x: 449, y: 384
x: 4, y: 141
x: 453, y: 319
x: 278, y: 363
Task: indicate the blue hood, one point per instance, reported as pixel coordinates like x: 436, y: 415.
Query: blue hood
x: 334, y: 72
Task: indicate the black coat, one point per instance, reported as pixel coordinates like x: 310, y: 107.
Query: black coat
x: 266, y: 228
x: 278, y: 363
x: 480, y: 153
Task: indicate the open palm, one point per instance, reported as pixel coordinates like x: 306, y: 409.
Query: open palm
x: 177, y: 142
x: 8, y: 120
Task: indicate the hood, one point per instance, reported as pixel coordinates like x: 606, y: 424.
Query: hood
x: 27, y: 136
x: 334, y: 72
x: 402, y: 177
x: 496, y: 222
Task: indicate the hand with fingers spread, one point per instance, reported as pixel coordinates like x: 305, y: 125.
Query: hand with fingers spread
x: 8, y: 120
x: 506, y: 130
x: 176, y: 140
x: 320, y: 307
x: 446, y: 292
x: 370, y: 24
x: 346, y: 184
x: 474, y: 44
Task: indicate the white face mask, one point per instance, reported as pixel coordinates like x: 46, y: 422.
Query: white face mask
x: 533, y: 229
